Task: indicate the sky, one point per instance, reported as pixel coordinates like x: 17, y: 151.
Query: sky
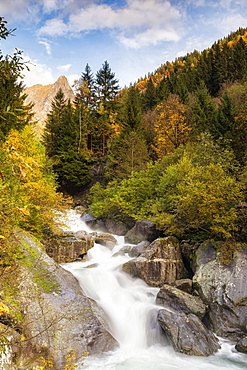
x: 59, y: 37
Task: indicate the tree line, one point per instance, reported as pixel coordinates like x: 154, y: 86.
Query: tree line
x: 199, y: 99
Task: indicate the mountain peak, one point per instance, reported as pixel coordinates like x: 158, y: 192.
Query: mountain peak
x: 43, y: 95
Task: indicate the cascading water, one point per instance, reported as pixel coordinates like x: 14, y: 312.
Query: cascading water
x: 129, y: 305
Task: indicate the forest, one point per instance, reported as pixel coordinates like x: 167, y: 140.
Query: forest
x: 171, y: 147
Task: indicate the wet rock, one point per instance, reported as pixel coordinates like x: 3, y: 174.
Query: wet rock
x: 126, y: 248
x: 143, y: 230
x: 223, y: 288
x: 173, y: 298
x: 69, y: 246
x: 139, y: 249
x: 161, y: 263
x: 241, y: 346
x: 59, y: 320
x: 107, y: 240
x: 187, y: 334
x: 93, y: 222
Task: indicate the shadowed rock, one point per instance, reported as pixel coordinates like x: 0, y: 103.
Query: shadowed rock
x: 187, y: 334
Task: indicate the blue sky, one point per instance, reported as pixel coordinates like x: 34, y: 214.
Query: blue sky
x: 59, y: 37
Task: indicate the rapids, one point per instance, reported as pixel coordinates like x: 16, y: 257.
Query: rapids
x: 129, y: 305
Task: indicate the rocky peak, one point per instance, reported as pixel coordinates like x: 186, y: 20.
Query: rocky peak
x: 42, y: 97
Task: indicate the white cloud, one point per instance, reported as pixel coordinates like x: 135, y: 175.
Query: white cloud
x: 64, y: 68
x: 71, y: 79
x: 53, y: 27
x: 232, y: 22
x: 38, y: 73
x: 47, y: 45
x: 139, y: 23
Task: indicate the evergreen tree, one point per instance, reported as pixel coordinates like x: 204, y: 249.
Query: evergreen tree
x: 149, y: 96
x: 203, y: 111
x: 85, y: 106
x: 61, y: 138
x: 132, y: 109
x: 107, y: 87
x: 224, y: 122
x: 14, y: 114
x: 52, y: 134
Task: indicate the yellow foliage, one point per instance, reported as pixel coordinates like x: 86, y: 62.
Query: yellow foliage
x: 171, y: 128
x: 3, y: 309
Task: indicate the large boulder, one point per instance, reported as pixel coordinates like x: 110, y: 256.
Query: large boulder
x: 171, y: 297
x: 187, y: 334
x: 143, y: 230
x: 241, y: 345
x: 161, y: 263
x: 116, y: 227
x: 223, y: 288
x: 59, y: 322
x: 105, y: 239
x: 68, y: 246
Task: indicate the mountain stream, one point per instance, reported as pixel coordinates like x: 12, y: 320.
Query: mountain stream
x: 129, y: 305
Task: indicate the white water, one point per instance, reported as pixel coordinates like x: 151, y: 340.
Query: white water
x: 129, y: 305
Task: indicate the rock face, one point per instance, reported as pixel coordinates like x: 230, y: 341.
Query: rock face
x: 42, y: 96
x: 59, y: 320
x: 67, y: 247
x: 224, y: 289
x: 143, y: 230
x: 161, y: 263
x: 187, y: 334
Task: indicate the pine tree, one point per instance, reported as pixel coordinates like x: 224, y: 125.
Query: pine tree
x: 61, y: 139
x: 52, y: 134
x: 203, y: 111
x: 14, y: 114
x: 85, y: 104
x: 107, y: 87
x: 132, y: 108
x: 149, y: 97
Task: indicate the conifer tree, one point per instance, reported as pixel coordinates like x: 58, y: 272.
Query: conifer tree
x: 61, y: 140
x: 85, y: 106
x: 149, y: 97
x: 13, y: 113
x: 107, y: 89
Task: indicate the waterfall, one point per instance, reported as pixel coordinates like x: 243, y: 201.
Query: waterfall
x: 129, y: 305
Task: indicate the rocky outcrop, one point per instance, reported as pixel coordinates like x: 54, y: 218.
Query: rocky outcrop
x: 223, y: 288
x: 42, y: 97
x: 187, y: 334
x: 59, y: 321
x: 69, y: 246
x: 143, y: 230
x: 161, y: 263
x: 175, y: 299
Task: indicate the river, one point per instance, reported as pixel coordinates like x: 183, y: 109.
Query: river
x: 130, y: 307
